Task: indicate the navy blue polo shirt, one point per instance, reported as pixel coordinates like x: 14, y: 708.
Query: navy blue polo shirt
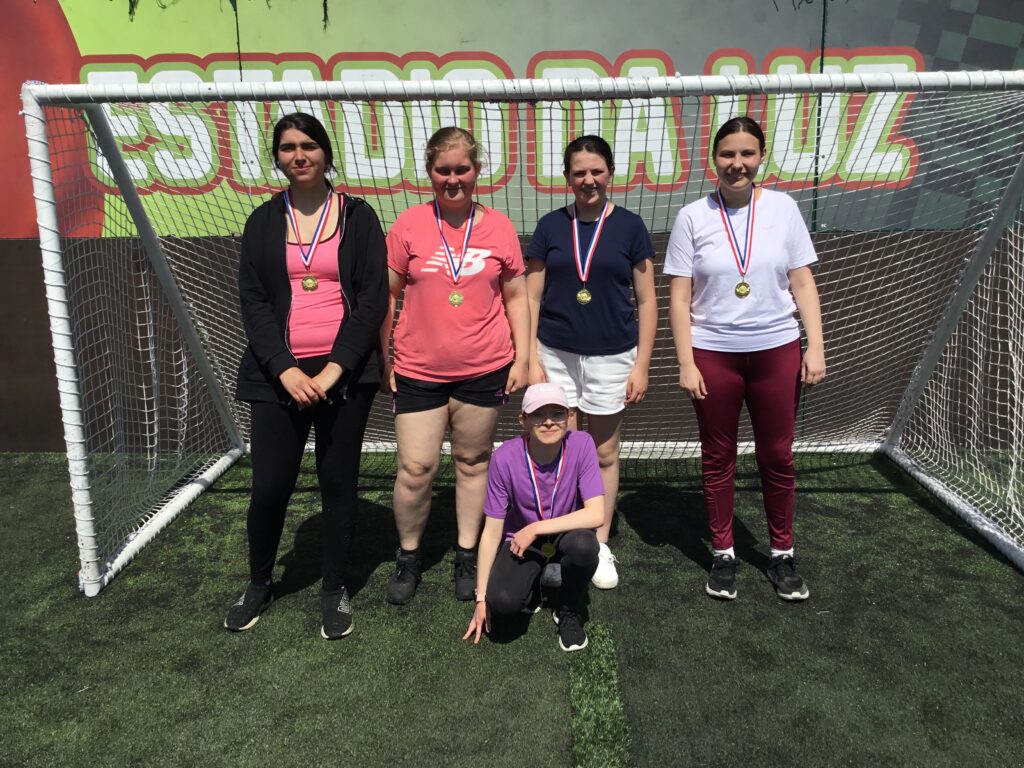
x: 608, y: 324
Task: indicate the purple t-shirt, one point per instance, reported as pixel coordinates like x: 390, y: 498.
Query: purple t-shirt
x: 510, y: 492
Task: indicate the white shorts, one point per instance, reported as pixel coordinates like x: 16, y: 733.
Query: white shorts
x: 593, y: 383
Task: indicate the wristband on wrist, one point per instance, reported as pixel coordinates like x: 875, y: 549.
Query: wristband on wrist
x: 480, y: 598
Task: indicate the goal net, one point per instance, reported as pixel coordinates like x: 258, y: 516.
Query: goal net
x: 909, y: 183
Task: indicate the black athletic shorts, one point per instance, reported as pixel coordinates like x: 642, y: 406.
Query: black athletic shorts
x: 487, y: 391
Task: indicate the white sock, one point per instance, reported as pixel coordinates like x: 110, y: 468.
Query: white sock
x: 730, y: 552
x: 778, y: 552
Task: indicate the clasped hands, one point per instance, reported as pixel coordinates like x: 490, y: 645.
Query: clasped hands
x: 310, y: 390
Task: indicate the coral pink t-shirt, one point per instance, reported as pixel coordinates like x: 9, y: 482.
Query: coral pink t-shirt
x: 315, y: 316
x: 435, y: 341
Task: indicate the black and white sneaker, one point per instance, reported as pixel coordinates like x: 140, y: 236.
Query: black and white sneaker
x: 247, y: 608
x: 337, y: 614
x: 465, y: 575
x: 406, y: 578
x: 722, y: 578
x: 571, y: 636
x: 788, y: 584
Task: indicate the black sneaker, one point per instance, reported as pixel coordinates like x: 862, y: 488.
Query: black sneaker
x: 788, y: 584
x: 246, y: 611
x: 571, y: 636
x: 465, y: 575
x: 722, y: 578
x: 402, y: 586
x: 337, y: 613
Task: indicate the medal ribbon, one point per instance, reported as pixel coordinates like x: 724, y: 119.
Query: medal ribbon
x: 533, y: 477
x: 583, y: 263
x: 742, y: 258
x: 455, y: 271
x: 307, y: 255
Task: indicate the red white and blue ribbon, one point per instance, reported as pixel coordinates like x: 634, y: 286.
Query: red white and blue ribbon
x: 307, y: 254
x: 742, y: 258
x: 531, y: 469
x: 455, y: 270
x: 583, y: 262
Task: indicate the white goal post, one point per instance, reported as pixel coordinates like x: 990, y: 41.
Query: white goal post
x: 911, y: 184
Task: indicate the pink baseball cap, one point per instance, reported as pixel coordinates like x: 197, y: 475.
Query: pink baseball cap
x: 539, y: 395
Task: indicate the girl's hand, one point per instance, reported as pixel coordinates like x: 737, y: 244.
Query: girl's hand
x: 329, y: 376
x: 812, y: 367
x: 636, y: 385
x: 517, y: 377
x: 537, y: 374
x: 301, y: 388
x: 691, y: 380
x: 480, y: 623
x: 522, y: 540
x: 387, y: 376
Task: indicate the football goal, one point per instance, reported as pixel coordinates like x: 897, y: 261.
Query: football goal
x: 909, y: 182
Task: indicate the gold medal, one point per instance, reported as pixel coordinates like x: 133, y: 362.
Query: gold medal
x: 583, y: 296
x: 741, y: 257
x: 547, y: 549
x: 455, y: 298
x: 309, y: 283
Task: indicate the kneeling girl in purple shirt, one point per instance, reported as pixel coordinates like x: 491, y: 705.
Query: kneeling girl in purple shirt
x: 544, y: 500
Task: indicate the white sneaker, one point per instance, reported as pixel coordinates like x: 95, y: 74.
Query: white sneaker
x: 605, y: 577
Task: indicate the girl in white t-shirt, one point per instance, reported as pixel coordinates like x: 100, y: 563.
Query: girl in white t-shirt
x: 740, y: 265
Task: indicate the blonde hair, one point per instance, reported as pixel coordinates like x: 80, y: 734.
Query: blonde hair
x: 448, y: 137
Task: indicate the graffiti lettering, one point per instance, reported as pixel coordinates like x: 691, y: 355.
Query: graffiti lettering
x: 844, y: 139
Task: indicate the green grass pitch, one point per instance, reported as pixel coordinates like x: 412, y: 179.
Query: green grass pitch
x: 909, y: 651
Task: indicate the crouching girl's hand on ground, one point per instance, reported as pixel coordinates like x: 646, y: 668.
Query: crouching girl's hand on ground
x: 480, y: 623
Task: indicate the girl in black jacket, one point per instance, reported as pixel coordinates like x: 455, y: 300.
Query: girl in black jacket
x: 313, y: 287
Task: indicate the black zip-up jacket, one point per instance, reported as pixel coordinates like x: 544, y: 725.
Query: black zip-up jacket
x: 265, y: 294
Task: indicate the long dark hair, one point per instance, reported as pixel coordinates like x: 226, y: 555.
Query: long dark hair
x: 310, y: 126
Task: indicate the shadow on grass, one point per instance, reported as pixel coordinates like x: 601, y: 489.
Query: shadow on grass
x: 374, y: 543
x: 905, y: 485
x: 687, y: 528
x: 508, y: 628
x: 301, y: 565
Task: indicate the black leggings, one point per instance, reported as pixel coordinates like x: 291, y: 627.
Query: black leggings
x: 278, y: 441
x: 513, y: 580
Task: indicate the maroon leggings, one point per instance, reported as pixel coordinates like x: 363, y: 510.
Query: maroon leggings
x: 769, y: 382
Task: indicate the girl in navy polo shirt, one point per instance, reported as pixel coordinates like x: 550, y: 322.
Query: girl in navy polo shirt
x: 586, y: 264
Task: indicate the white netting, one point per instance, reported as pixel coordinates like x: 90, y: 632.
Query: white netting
x: 898, y: 189
x: 967, y: 431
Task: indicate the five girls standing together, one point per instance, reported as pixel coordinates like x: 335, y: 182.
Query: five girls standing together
x: 574, y: 325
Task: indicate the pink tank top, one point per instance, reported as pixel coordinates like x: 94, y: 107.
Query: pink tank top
x: 316, y: 314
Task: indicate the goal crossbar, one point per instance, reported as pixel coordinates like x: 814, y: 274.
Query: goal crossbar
x: 526, y: 90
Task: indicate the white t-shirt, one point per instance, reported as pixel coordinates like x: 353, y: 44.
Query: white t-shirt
x: 699, y: 248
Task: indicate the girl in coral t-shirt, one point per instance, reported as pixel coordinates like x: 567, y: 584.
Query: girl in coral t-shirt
x: 461, y: 347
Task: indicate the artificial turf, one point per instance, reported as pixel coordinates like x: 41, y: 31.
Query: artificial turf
x: 908, y: 652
